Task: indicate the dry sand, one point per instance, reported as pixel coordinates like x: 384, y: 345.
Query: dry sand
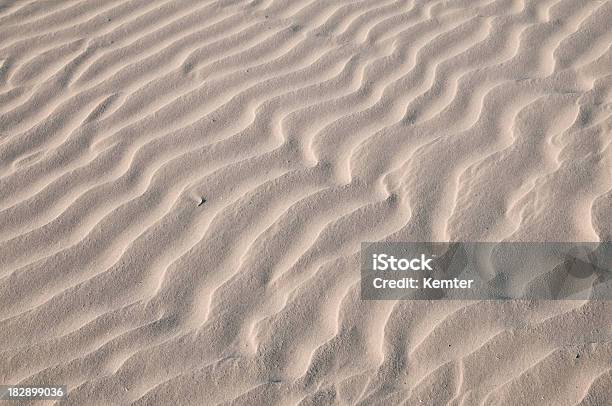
x: 184, y: 186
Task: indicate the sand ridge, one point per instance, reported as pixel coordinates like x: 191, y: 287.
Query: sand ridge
x: 184, y: 187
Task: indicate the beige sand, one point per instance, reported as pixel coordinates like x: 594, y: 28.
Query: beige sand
x: 184, y: 186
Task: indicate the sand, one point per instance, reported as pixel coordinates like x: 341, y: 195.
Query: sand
x: 184, y: 187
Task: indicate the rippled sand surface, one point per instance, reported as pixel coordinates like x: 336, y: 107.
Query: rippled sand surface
x: 184, y: 186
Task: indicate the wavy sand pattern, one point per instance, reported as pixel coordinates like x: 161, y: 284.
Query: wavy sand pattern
x: 184, y: 185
